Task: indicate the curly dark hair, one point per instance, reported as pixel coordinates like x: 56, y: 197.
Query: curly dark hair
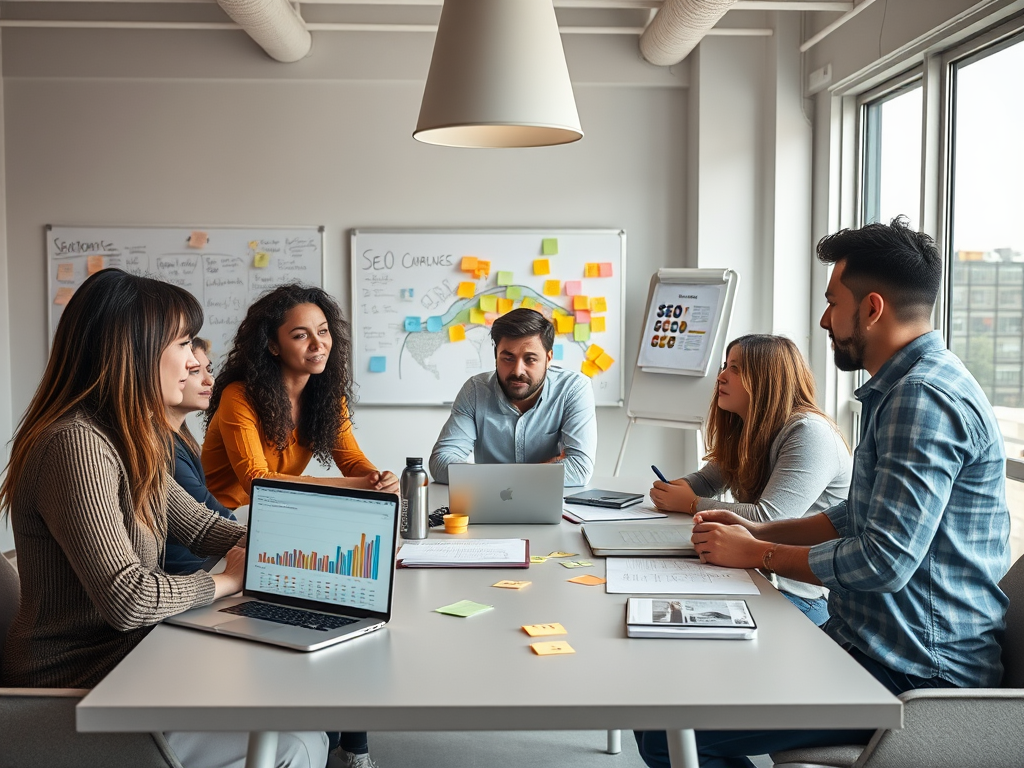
x: 251, y: 363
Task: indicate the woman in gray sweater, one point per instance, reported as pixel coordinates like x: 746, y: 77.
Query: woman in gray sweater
x: 770, y: 447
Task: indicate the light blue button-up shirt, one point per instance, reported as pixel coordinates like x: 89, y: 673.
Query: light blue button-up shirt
x: 484, y: 423
x: 924, y: 536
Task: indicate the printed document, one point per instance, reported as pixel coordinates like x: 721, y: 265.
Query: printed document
x: 674, y: 576
x: 463, y: 552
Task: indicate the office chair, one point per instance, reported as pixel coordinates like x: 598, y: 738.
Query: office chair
x: 39, y: 723
x: 947, y: 727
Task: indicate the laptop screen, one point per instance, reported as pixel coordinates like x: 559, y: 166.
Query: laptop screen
x: 321, y: 544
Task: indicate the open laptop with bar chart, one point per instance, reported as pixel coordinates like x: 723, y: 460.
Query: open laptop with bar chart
x: 319, y: 567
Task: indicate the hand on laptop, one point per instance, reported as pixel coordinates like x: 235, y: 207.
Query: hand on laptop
x: 230, y: 581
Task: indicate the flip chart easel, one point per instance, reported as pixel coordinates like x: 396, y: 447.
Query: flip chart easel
x: 686, y: 326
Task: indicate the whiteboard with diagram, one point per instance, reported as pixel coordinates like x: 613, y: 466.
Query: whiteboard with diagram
x: 423, y: 302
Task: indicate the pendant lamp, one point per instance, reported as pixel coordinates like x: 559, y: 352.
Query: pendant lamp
x: 498, y: 78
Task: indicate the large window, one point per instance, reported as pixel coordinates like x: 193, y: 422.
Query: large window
x: 892, y: 155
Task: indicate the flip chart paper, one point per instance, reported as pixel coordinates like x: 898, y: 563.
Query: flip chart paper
x: 674, y: 576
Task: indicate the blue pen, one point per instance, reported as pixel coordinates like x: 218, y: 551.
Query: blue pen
x: 658, y: 473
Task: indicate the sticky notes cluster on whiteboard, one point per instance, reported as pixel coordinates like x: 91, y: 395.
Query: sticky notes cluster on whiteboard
x: 483, y: 268
x: 466, y: 290
x: 552, y: 287
x: 542, y: 266
x: 598, y: 304
x: 563, y: 323
x: 580, y: 302
x: 456, y: 333
x: 597, y: 361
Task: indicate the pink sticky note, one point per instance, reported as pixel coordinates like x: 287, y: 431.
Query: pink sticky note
x: 605, y: 269
x: 583, y: 316
x: 573, y: 287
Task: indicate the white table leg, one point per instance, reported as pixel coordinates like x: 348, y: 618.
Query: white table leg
x: 614, y: 742
x: 682, y: 748
x: 262, y: 752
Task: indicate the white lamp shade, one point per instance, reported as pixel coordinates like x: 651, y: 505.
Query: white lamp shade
x: 498, y: 78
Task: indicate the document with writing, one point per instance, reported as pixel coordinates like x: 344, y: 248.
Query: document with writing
x: 598, y: 515
x: 674, y: 576
x: 465, y: 553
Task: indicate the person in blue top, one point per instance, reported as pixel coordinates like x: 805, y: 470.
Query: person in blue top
x: 523, y: 412
x: 913, y: 558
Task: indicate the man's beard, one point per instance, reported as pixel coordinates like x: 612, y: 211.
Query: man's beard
x: 849, y: 352
x: 531, y: 390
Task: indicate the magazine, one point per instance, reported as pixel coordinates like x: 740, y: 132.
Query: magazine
x: 685, y: 617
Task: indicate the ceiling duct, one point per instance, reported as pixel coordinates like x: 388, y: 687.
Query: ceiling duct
x: 274, y: 24
x: 678, y: 26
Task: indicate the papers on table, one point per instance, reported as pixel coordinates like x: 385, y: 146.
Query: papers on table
x: 674, y: 576
x: 465, y: 553
x: 580, y: 514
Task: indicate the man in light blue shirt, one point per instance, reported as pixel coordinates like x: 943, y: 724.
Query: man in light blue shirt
x: 524, y: 412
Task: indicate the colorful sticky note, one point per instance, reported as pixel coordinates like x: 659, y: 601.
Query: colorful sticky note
x: 557, y: 353
x: 593, y: 352
x: 456, y: 333
x: 476, y: 316
x: 592, y: 270
x: 563, y: 323
x: 538, y: 559
x: 253, y: 245
x: 598, y: 304
x: 549, y: 246
x: 483, y: 268
x: 577, y: 564
x: 541, y: 267
x: 435, y: 324
x: 552, y: 649
x: 490, y: 317
x: 504, y: 278
x: 504, y: 305
x: 468, y: 263
x: 598, y: 324
x: 583, y: 316
x: 589, y: 369
x: 529, y: 303
x: 580, y: 302
x: 604, y: 362
x: 93, y: 264
x: 64, y: 294
x: 261, y: 260
x: 581, y: 332
x: 378, y: 364
x: 551, y: 287
x: 605, y: 269
x: 198, y: 239
x: 463, y: 608
x: 588, y: 579
x: 66, y: 271
x: 413, y: 324
x: 506, y: 584
x: 557, y: 553
x: 544, y: 630
x: 514, y: 293
x: 489, y: 303
x: 573, y: 287
x: 467, y: 290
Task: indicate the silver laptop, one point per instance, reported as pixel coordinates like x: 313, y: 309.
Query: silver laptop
x: 319, y: 568
x: 507, y: 493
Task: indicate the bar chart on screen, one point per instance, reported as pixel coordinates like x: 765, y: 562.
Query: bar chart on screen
x: 361, y: 561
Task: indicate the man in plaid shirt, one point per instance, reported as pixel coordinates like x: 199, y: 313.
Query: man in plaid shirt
x: 913, y: 558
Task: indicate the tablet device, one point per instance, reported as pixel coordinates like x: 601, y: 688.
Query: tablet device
x: 598, y: 498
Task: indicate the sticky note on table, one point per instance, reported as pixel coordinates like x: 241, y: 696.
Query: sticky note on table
x: 563, y: 554
x: 581, y: 332
x: 506, y: 584
x: 588, y: 579
x: 476, y: 316
x: 198, y: 239
x: 505, y: 278
x: 544, y: 630
x: 468, y: 264
x: 378, y: 364
x: 576, y: 564
x: 563, y: 323
x: 435, y: 324
x: 573, y: 287
x: 557, y: 353
x: 589, y: 369
x: 592, y: 270
x: 513, y: 293
x: 66, y: 271
x: 549, y: 246
x: 538, y: 559
x: 93, y: 264
x: 64, y: 294
x: 541, y: 267
x: 580, y: 302
x: 483, y: 268
x: 593, y: 352
x: 261, y: 260
x: 463, y: 608
x: 457, y: 332
x: 604, y: 362
x: 489, y: 303
x: 598, y: 324
x: 504, y: 305
x: 598, y: 304
x: 605, y: 269
x: 466, y: 290
x: 551, y: 287
x: 582, y: 316
x: 552, y: 648
x: 412, y: 324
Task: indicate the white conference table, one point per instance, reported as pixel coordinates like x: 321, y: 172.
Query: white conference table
x: 430, y: 672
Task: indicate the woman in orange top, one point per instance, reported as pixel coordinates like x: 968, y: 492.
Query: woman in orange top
x: 282, y: 400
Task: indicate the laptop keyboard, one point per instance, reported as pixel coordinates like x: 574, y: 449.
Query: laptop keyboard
x: 295, y: 617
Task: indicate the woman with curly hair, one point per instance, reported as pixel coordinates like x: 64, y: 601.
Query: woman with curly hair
x: 770, y: 447
x: 283, y: 398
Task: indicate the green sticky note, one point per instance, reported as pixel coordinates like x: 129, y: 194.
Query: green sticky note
x: 504, y: 278
x: 463, y: 608
x: 514, y: 292
x: 577, y: 564
x: 549, y: 246
x: 489, y: 303
x: 581, y: 332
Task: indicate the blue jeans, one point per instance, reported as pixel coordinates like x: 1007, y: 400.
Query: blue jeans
x: 728, y: 749
x: 815, y: 610
x: 354, y: 743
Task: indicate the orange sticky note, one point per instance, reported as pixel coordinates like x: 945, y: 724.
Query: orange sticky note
x: 604, y: 362
x: 543, y: 630
x: 588, y: 579
x: 563, y: 323
x: 598, y: 304
x: 483, y: 268
x: 504, y: 305
x: 467, y: 290
x: 542, y: 266
x: 593, y: 352
x: 489, y: 303
x: 556, y: 648
x: 580, y: 302
x: 93, y: 264
x: 66, y: 271
x: 589, y: 369
x: 490, y: 317
x: 597, y: 324
x: 468, y: 264
x: 605, y: 269
x: 552, y: 287
x: 457, y: 332
x: 63, y: 296
x: 507, y: 584
x: 476, y: 316
x: 198, y: 239
x: 591, y: 270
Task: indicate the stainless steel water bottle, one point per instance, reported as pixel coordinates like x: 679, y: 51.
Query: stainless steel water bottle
x: 415, y: 522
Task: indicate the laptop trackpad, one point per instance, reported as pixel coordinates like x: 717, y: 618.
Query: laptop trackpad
x: 246, y: 626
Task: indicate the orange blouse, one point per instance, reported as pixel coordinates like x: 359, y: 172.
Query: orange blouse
x: 235, y: 451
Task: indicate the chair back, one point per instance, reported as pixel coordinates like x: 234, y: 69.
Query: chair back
x: 10, y: 597
x: 1013, y: 640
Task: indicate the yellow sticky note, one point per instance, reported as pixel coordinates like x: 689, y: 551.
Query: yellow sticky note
x: 65, y: 271
x: 489, y: 303
x: 253, y: 245
x: 544, y: 630
x: 538, y: 559
x: 549, y: 246
x: 456, y: 332
x: 529, y: 303
x: 504, y: 305
x: 93, y: 264
x: 592, y: 270
x: 604, y: 362
x: 468, y: 264
x: 542, y: 266
x: 580, y: 302
x: 477, y: 316
x: 261, y: 260
x: 589, y: 368
x: 63, y: 296
x: 467, y: 290
x: 598, y: 304
x: 588, y: 579
x: 506, y: 584
x: 551, y: 648
x: 483, y: 268
x: 563, y: 323
x: 552, y: 287
x: 598, y: 324
x: 593, y: 352
x: 562, y: 554
x: 198, y: 239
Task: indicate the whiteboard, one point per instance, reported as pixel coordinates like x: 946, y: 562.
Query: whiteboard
x: 226, y: 269
x: 406, y: 306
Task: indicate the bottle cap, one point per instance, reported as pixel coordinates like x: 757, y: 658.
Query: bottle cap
x: 412, y: 462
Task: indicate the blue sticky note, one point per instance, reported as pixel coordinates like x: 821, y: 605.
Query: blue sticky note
x: 413, y: 324
x: 378, y: 364
x: 434, y: 324
x: 559, y: 354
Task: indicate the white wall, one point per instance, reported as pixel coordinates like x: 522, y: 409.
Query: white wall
x: 199, y: 128
x: 6, y: 411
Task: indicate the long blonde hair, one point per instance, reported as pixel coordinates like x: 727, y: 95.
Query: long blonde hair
x: 105, y: 360
x: 780, y: 386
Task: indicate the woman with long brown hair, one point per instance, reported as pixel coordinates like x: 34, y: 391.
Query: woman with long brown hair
x: 769, y: 446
